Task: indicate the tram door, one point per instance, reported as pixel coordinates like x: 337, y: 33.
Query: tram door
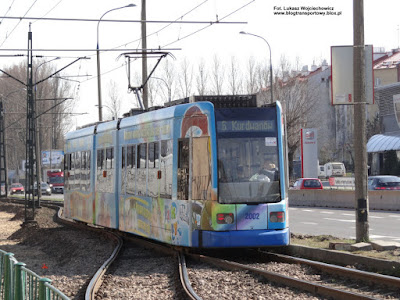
x: 183, y: 169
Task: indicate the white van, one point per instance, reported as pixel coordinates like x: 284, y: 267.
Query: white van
x: 321, y: 171
x: 334, y: 169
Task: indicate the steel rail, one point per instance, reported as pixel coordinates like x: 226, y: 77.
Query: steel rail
x: 97, y: 279
x: 316, y: 289
x: 187, y: 287
x: 338, y: 270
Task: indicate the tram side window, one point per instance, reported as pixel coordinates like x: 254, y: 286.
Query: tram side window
x: 100, y: 159
x: 183, y: 169
x: 88, y: 157
x: 109, y: 158
x: 123, y: 169
x: 71, y: 178
x: 77, y: 170
x: 154, y: 153
x: 131, y: 156
x: 142, y: 156
x: 141, y: 171
x: 130, y: 169
x: 153, y: 168
x: 166, y: 169
x: 83, y: 170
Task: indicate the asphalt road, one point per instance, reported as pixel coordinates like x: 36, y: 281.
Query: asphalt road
x: 383, y: 225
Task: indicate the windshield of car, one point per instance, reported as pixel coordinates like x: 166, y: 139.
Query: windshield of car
x: 312, y: 183
x: 336, y: 166
x: 15, y: 185
x: 58, y: 179
x: 389, y: 181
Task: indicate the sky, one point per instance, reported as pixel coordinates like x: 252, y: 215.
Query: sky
x: 306, y: 38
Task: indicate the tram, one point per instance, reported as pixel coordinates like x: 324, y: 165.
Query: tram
x: 204, y: 172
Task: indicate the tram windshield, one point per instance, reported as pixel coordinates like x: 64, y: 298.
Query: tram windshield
x: 248, y: 170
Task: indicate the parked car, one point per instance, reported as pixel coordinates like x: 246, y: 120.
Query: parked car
x: 384, y: 182
x: 17, y: 188
x: 308, y: 184
x: 44, y: 187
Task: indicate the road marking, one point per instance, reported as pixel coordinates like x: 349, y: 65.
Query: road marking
x: 327, y: 212
x: 310, y: 210
x: 344, y: 214
x: 395, y: 238
x: 309, y: 223
x: 340, y: 220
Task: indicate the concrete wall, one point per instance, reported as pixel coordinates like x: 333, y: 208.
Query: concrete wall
x: 378, y: 200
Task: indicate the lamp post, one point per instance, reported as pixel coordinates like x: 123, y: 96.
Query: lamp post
x: 113, y: 114
x: 38, y: 139
x: 270, y: 59
x: 98, y: 59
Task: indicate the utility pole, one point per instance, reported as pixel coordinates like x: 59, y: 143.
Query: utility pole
x: 144, y: 59
x: 360, y: 139
x: 31, y: 154
x: 3, y: 156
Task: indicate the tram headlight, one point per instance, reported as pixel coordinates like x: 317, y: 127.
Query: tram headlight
x: 277, y: 216
x: 225, y: 218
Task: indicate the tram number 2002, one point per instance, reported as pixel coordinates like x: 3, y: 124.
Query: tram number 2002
x: 252, y: 216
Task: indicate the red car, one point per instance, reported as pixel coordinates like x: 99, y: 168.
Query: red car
x: 17, y: 188
x: 308, y: 184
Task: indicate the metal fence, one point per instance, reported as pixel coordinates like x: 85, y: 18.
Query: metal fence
x: 20, y: 283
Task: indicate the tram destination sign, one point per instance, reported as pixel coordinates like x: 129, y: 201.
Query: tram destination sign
x: 245, y: 126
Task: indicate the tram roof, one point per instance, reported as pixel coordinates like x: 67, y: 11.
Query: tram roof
x: 86, y: 131
x: 162, y: 114
x: 107, y: 126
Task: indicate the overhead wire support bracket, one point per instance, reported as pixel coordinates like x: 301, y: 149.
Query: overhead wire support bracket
x: 136, y: 90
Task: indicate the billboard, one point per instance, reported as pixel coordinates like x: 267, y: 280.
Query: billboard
x: 53, y: 158
x: 309, y: 153
x: 342, y: 75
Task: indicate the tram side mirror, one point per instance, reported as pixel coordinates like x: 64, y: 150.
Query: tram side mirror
x: 159, y: 174
x: 104, y: 173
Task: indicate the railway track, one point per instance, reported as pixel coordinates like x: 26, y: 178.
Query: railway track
x: 317, y: 279
x: 325, y: 280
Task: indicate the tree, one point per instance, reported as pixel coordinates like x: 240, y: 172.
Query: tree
x: 234, y: 77
x: 52, y: 119
x: 218, y: 75
x: 251, y: 76
x: 299, y: 98
x: 201, y: 78
x: 114, y: 100
x: 185, y: 79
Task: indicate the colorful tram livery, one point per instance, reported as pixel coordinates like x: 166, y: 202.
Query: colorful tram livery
x: 186, y: 175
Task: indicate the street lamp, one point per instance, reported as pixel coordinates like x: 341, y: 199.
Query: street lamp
x: 98, y: 59
x: 270, y: 59
x: 38, y: 138
x: 113, y: 115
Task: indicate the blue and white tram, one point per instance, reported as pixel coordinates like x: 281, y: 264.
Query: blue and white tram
x: 193, y: 175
